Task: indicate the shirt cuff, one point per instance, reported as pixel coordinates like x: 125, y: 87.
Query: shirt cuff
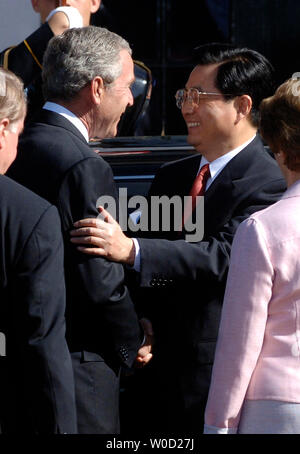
x: 137, y: 260
x: 144, y: 341
x: 73, y: 15
x: 212, y: 430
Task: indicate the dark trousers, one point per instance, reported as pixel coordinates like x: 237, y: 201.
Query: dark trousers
x: 97, y: 394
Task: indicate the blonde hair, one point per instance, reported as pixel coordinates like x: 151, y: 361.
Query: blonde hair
x: 280, y: 122
x: 12, y: 97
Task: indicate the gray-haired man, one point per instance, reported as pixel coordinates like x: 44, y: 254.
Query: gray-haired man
x: 87, y: 76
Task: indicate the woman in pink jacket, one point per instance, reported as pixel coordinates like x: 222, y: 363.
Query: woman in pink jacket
x: 255, y: 384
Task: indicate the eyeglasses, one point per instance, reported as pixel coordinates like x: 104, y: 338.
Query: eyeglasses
x: 193, y: 95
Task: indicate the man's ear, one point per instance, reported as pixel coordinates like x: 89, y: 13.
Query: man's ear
x: 97, y: 89
x: 35, y: 5
x: 4, y: 123
x: 243, y: 105
x: 95, y: 5
x: 280, y: 156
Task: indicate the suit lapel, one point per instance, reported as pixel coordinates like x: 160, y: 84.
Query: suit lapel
x: 224, y: 190
x: 52, y: 118
x: 187, y: 174
x: 232, y: 172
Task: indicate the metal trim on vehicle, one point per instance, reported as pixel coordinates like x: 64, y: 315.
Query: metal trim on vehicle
x: 134, y: 177
x: 143, y: 149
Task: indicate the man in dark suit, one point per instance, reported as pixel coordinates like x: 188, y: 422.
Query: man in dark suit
x: 183, y: 282
x: 37, y: 393
x: 87, y: 77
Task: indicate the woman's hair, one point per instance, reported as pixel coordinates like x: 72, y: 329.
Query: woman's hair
x: 280, y: 122
x: 12, y: 97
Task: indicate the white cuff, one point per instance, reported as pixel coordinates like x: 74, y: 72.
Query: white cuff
x: 212, y: 430
x: 73, y: 15
x: 137, y: 260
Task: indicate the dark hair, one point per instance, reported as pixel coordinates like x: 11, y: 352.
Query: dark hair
x: 280, y: 120
x: 242, y: 71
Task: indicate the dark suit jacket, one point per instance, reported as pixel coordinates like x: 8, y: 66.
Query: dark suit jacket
x: 37, y: 392
x: 183, y: 283
x: 55, y: 161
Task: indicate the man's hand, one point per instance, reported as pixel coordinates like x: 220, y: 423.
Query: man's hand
x: 107, y: 237
x: 144, y: 354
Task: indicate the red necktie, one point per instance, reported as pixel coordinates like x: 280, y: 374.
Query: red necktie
x: 198, y: 189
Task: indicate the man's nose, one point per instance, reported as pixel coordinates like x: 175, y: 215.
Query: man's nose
x: 187, y: 107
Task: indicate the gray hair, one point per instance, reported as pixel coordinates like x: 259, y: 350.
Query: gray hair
x: 72, y: 60
x: 12, y: 98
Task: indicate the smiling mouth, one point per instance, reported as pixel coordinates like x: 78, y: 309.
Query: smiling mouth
x: 193, y: 124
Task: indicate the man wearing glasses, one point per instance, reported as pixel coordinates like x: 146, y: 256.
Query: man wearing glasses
x: 181, y: 284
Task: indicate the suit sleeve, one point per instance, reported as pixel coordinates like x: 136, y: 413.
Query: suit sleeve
x: 100, y: 282
x: 208, y: 259
x: 25, y: 59
x: 242, y: 328
x: 39, y: 289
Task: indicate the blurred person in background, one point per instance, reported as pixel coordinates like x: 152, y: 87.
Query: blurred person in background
x: 26, y: 60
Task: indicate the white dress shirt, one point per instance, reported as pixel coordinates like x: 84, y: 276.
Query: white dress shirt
x: 216, y: 166
x: 66, y: 113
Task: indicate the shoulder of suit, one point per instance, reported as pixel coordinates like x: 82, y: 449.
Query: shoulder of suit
x: 57, y: 142
x: 16, y: 197
x: 31, y: 47
x: 255, y: 146
x: 254, y: 160
x: 183, y: 162
x: 278, y: 224
x: 38, y: 39
x: 24, y: 214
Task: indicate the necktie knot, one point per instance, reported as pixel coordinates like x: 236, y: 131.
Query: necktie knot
x: 199, y: 185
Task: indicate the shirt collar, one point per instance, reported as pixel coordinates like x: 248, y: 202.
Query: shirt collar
x: 66, y: 113
x: 216, y: 166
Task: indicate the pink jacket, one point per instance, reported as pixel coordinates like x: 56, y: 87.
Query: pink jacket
x: 258, y: 348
